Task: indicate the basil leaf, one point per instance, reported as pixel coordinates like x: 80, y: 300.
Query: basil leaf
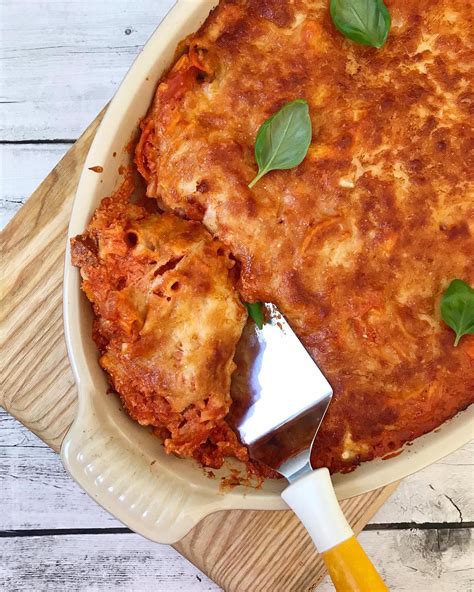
x: 457, y: 308
x: 283, y: 140
x: 364, y: 21
x: 255, y: 310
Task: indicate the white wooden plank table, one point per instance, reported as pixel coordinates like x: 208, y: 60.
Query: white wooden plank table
x: 61, y: 62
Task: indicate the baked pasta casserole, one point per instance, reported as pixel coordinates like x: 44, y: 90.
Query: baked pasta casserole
x: 355, y: 245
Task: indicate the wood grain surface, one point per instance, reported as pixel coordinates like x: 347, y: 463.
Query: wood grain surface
x: 37, y: 384
x: 120, y: 562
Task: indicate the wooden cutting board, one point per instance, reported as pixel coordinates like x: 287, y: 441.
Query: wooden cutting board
x: 243, y: 551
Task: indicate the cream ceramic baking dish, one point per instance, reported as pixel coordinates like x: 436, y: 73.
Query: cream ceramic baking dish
x: 120, y: 464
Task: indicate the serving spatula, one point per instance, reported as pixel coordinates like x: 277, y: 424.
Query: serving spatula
x: 290, y: 397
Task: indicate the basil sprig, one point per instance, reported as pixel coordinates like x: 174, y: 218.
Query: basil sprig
x: 364, y: 21
x: 255, y: 310
x: 283, y: 140
x: 457, y: 308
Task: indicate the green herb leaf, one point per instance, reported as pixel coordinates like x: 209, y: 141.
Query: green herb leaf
x: 364, y: 21
x: 283, y: 140
x: 457, y: 308
x: 255, y: 310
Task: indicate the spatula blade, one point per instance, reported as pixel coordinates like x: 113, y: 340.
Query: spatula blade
x: 290, y: 396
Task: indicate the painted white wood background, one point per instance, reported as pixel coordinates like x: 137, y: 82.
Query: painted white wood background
x: 61, y: 62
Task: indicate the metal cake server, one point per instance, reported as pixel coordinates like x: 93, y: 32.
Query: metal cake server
x: 290, y: 396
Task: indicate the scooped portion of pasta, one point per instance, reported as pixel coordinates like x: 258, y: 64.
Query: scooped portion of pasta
x: 167, y: 321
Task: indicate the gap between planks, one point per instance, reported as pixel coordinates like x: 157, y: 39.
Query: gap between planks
x: 5, y: 534
x: 67, y: 141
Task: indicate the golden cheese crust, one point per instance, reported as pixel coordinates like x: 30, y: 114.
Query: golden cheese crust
x: 357, y: 244
x: 168, y: 319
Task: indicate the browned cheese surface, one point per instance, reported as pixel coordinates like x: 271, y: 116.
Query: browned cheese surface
x: 357, y: 244
x: 168, y: 318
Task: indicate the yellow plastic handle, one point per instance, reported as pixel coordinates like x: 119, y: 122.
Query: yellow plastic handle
x: 351, y: 570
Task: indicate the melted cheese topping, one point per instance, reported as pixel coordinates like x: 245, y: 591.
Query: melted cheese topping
x: 357, y: 244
